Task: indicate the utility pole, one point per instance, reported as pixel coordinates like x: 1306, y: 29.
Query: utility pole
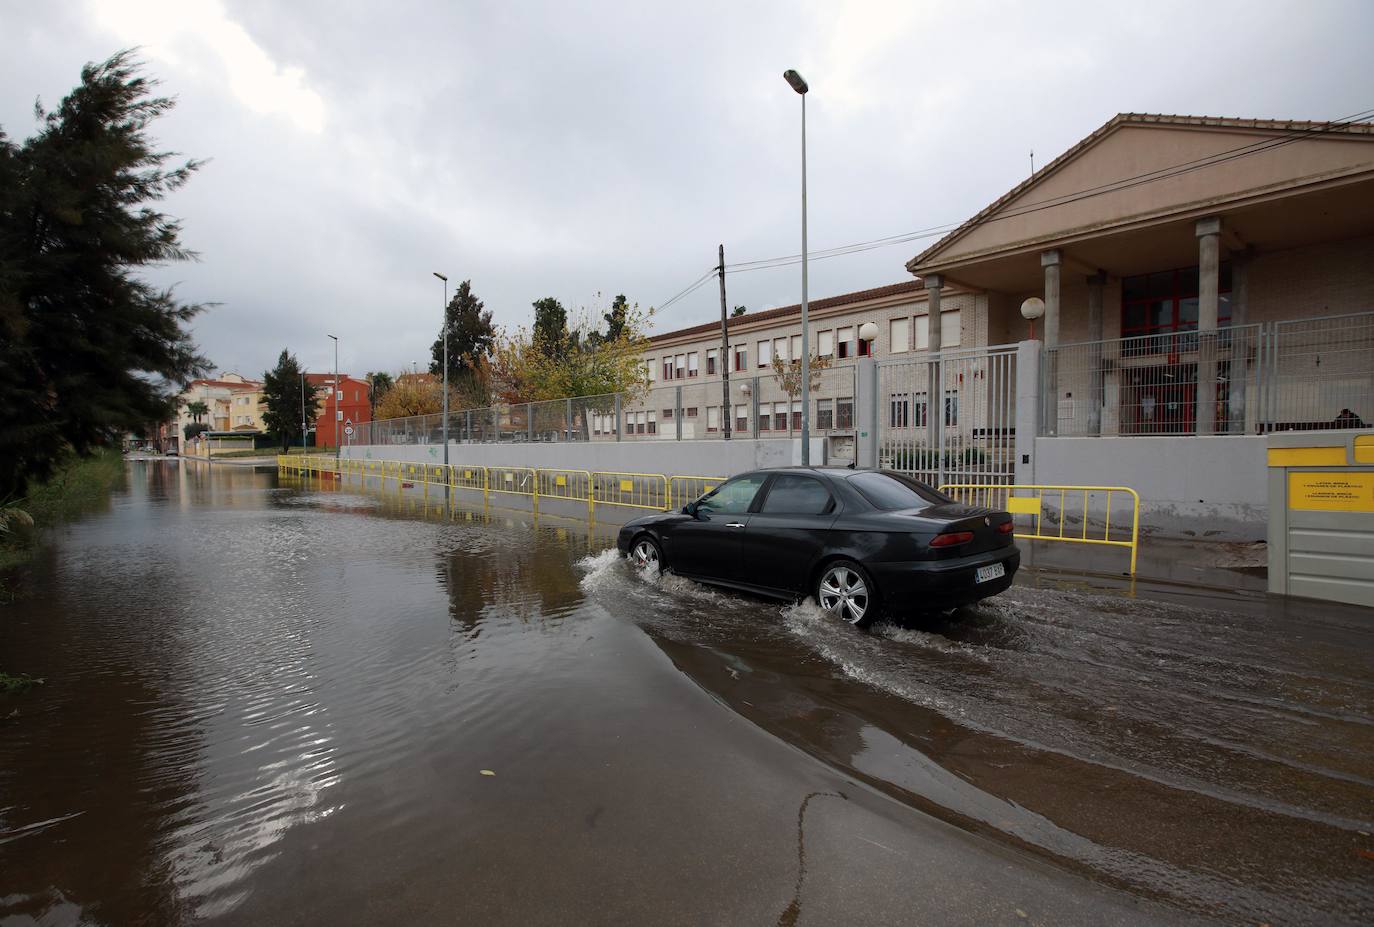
x: 725, y: 411
x: 338, y: 412
x: 302, y: 411
x: 445, y: 322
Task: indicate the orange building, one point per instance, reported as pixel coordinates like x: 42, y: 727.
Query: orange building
x: 351, y: 405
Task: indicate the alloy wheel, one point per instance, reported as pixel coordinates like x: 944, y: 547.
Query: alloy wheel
x: 843, y: 591
x: 645, y: 553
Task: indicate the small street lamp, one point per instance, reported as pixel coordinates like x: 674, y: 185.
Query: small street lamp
x: 338, y: 413
x: 444, y: 318
x: 798, y: 83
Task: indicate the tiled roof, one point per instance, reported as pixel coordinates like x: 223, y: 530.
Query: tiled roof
x: 227, y: 384
x: 1120, y: 119
x: 767, y: 315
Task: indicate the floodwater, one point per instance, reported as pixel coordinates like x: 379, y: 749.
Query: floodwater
x: 275, y: 701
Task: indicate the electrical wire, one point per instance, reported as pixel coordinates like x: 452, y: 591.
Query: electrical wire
x: 1125, y: 183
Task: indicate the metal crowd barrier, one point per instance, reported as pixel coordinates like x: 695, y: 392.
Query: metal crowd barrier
x: 654, y: 491
x: 1032, y: 501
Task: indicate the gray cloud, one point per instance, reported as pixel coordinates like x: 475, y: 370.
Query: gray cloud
x: 566, y: 150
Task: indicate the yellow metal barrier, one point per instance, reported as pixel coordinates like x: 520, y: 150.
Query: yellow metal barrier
x: 573, y: 485
x: 636, y: 490
x: 684, y: 489
x: 519, y: 481
x: 1027, y: 499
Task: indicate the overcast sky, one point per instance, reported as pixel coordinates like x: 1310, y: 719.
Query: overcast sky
x: 570, y: 150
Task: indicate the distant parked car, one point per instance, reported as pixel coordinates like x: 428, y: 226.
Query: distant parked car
x: 171, y: 452
x: 859, y: 541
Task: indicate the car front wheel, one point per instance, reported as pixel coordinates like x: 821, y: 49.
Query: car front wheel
x: 645, y: 552
x: 844, y: 589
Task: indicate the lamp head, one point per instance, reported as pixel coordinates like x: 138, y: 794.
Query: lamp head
x: 1033, y: 308
x: 796, y: 80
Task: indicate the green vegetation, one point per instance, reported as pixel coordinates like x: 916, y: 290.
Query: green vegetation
x: 289, y: 402
x: 79, y: 486
x: 13, y: 684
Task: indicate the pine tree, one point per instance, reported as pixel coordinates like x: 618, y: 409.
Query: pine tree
x: 88, y: 350
x: 471, y: 337
x: 282, y: 395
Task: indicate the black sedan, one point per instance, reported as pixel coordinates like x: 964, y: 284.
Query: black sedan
x: 860, y: 541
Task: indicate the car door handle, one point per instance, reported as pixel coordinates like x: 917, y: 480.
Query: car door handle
x: 735, y: 524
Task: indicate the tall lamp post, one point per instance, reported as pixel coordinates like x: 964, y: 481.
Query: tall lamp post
x: 798, y: 83
x: 337, y: 412
x: 445, y: 323
x: 302, y: 411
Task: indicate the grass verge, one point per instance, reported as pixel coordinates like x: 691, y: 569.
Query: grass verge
x: 81, y: 486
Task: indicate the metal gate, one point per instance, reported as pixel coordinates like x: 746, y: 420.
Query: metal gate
x: 967, y: 434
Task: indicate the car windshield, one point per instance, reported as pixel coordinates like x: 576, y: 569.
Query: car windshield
x: 892, y: 491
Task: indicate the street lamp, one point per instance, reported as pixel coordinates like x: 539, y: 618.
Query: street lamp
x: 445, y: 324
x: 798, y: 83
x: 338, y: 414
x: 302, y: 411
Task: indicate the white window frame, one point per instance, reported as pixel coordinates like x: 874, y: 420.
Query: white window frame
x: 899, y: 343
x: 844, y: 338
x: 693, y: 364
x: 765, y: 353
x: 826, y: 344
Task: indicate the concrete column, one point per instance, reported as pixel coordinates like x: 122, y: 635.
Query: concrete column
x: 1242, y: 342
x: 1096, y: 284
x: 866, y: 412
x: 1028, y: 405
x: 1051, y: 262
x: 935, y: 398
x: 1209, y: 275
x: 677, y: 412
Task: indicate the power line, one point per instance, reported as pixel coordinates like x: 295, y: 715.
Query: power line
x: 1064, y: 199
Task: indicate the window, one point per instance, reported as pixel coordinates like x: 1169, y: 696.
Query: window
x: 733, y: 497
x: 1165, y: 303
x: 653, y: 424
x: 711, y: 358
x: 741, y: 418
x: 826, y: 347
x: 844, y: 346
x: 899, y: 410
x: 899, y: 335
x: 949, y: 331
x: 825, y: 414
x: 668, y: 368
x: 844, y: 413
x: 638, y: 423
x: 779, y: 416
x: 890, y: 492
x: 690, y: 412
x: 667, y: 414
x: 650, y: 371
x: 680, y: 362
x: 780, y: 349
x: 338, y: 396
x: 338, y: 416
x: 796, y: 415
x: 796, y: 348
x: 741, y: 357
x: 712, y: 418
x: 865, y: 348
x: 791, y: 494
x: 765, y: 353
x: 692, y: 364
x: 765, y: 418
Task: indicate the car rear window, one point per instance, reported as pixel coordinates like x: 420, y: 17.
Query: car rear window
x: 796, y: 495
x: 892, y: 491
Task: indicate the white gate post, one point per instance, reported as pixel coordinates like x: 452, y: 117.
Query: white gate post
x: 1028, y: 405
x: 866, y: 420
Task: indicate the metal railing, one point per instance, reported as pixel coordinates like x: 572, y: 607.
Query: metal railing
x: 1303, y: 374
x: 1072, y: 514
x: 694, y: 409
x: 655, y: 491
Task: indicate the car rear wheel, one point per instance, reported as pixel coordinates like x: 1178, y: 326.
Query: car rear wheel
x: 645, y: 552
x: 846, y: 590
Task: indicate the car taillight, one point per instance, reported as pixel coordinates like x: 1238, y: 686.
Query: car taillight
x: 951, y: 539
x: 1006, y: 527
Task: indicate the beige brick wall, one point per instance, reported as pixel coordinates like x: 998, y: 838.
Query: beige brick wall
x: 1331, y: 278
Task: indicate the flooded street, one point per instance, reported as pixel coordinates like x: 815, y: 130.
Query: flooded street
x: 270, y: 701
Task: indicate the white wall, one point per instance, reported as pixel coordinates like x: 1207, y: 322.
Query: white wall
x: 673, y: 458
x: 1212, y: 487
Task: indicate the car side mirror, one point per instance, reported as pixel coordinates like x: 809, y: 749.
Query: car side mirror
x: 690, y: 509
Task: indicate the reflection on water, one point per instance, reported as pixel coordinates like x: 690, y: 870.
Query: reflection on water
x: 248, y: 674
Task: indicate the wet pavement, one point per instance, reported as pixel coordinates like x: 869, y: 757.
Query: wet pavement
x: 272, y: 701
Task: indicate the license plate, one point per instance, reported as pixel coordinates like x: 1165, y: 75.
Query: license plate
x: 996, y: 571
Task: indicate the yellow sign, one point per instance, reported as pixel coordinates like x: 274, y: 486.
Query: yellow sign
x: 560, y: 481
x: 627, y: 485
x: 1023, y: 505
x: 1364, y: 449
x: 1331, y: 491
